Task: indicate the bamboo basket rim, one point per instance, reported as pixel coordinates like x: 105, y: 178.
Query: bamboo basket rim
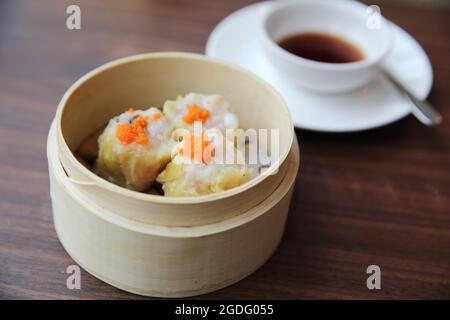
x: 171, y: 231
x: 102, y: 183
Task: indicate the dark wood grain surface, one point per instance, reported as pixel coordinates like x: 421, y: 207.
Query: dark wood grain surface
x: 378, y: 197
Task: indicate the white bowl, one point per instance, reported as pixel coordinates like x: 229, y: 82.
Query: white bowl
x: 343, y: 18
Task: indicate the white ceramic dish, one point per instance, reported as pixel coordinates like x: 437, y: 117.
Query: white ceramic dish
x: 376, y: 104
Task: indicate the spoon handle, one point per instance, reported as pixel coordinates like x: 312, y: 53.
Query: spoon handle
x: 421, y: 109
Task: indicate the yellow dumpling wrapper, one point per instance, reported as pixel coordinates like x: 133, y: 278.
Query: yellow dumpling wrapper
x: 175, y: 181
x: 134, y: 166
x: 182, y: 179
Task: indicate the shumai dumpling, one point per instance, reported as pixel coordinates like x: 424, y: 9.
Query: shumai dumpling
x: 212, y: 110
x: 192, y: 173
x: 134, y: 147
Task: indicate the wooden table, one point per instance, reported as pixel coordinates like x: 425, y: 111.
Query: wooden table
x: 377, y: 197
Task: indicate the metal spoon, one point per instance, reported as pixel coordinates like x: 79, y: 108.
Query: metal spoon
x: 421, y: 109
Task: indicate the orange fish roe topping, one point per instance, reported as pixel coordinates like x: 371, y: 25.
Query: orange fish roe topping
x: 196, y: 113
x: 134, y: 132
x: 156, y: 116
x: 195, y: 150
x: 140, y: 121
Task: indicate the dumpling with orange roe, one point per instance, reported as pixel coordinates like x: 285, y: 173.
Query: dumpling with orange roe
x: 196, y: 169
x: 134, y: 147
x: 213, y: 111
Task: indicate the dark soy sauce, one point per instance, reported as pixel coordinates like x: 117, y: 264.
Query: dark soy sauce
x: 321, y: 47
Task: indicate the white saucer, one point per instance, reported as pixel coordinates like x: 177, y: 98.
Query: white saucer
x: 235, y: 39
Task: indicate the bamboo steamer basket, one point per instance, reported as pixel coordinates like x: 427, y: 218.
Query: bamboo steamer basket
x: 161, y: 246
x: 166, y: 261
x: 148, y: 80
